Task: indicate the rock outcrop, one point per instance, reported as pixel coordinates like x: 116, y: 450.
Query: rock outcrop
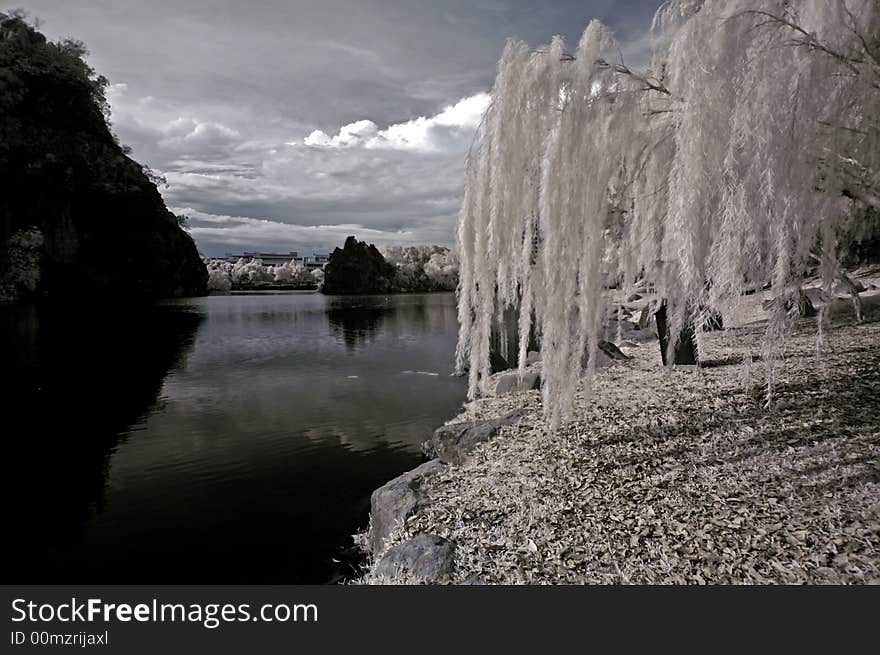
x: 358, y: 268
x: 425, y: 558
x: 103, y: 225
x: 785, y: 303
x: 393, y: 503
x: 513, y: 382
x: 612, y: 351
x: 453, y: 443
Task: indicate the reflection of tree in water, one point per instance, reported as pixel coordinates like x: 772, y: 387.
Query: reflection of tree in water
x: 358, y: 319
x: 75, y: 377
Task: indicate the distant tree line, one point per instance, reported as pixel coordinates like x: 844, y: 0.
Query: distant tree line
x: 423, y: 268
x: 252, y: 274
x: 411, y: 269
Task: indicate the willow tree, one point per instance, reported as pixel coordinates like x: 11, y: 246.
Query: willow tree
x: 738, y: 158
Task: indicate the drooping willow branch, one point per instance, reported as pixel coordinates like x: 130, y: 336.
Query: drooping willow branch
x: 749, y: 173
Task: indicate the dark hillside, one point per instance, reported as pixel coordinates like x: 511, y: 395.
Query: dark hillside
x: 77, y: 215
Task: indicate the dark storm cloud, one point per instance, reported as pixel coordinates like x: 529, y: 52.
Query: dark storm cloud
x: 222, y: 97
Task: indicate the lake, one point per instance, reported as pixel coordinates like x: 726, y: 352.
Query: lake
x: 225, y: 439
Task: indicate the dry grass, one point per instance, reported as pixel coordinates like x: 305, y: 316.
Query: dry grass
x: 682, y: 477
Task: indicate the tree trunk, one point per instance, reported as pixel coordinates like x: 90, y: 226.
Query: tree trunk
x: 685, y: 353
x: 504, y: 341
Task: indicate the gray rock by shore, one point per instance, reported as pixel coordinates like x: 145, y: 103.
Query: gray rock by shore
x: 513, y: 382
x: 452, y: 443
x: 392, y: 503
x: 425, y: 558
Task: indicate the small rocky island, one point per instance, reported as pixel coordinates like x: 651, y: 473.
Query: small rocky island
x: 357, y: 268
x: 77, y: 214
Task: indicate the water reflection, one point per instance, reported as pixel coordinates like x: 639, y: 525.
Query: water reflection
x: 74, y: 380
x: 357, y: 319
x: 223, y: 439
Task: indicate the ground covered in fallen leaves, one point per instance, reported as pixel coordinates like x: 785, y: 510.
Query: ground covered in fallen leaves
x: 682, y: 476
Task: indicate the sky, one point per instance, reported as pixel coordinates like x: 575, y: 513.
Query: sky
x: 290, y: 124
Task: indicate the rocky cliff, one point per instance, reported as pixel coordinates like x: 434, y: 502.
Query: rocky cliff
x: 77, y: 214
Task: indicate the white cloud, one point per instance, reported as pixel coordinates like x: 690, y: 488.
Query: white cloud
x: 349, y: 135
x: 448, y: 130
x: 167, y: 130
x: 192, y: 134
x: 243, y: 188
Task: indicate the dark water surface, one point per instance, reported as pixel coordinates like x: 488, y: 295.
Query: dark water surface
x: 221, y: 439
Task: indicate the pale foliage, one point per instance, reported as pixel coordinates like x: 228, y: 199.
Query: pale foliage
x: 218, y: 279
x: 734, y: 161
x: 423, y: 267
x: 442, y: 269
x: 224, y: 275
x: 291, y: 273
x: 251, y: 271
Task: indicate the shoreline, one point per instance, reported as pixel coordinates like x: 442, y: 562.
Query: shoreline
x: 662, y: 476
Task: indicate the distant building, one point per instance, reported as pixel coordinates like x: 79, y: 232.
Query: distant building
x: 315, y: 261
x: 268, y: 258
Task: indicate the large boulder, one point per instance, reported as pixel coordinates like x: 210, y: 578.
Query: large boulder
x: 619, y: 312
x: 102, y: 226
x: 453, y: 443
x: 425, y: 558
x: 785, y: 303
x: 857, y: 286
x: 357, y: 268
x: 612, y: 351
x: 646, y: 317
x: 629, y: 330
x: 393, y: 503
x: 606, y: 354
x: 513, y: 382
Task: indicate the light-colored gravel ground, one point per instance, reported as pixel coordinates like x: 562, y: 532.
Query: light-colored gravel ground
x: 682, y: 476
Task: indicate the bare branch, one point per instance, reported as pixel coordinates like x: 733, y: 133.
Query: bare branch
x: 870, y: 199
x: 650, y: 83
x: 861, y: 37
x: 807, y: 39
x: 845, y: 128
